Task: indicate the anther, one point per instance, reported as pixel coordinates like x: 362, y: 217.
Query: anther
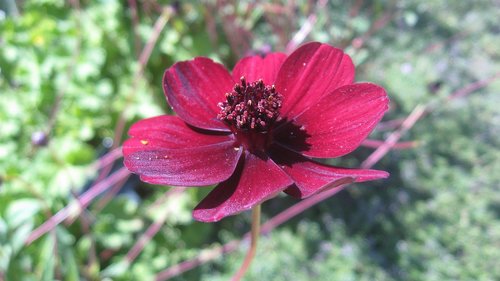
x: 251, y: 106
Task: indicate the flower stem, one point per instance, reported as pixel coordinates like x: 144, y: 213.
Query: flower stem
x: 253, y: 244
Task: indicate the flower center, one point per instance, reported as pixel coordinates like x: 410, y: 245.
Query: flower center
x: 251, y: 106
x: 250, y: 110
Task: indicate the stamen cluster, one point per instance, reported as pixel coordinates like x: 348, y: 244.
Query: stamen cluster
x: 251, y: 106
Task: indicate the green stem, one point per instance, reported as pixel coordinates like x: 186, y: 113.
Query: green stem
x: 253, y: 244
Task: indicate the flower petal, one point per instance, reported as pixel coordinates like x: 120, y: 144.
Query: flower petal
x: 311, y: 177
x: 337, y: 124
x: 171, y: 132
x: 309, y: 73
x: 193, y: 90
x: 256, y: 67
x: 164, y: 150
x: 255, y: 180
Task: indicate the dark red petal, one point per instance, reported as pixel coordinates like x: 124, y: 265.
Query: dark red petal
x: 171, y: 132
x: 309, y: 73
x: 194, y: 88
x: 256, y: 67
x: 311, y: 177
x: 337, y: 124
x: 254, y: 181
x: 164, y: 150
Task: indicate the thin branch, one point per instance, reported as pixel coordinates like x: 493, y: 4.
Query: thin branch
x: 393, y: 138
x: 305, y: 29
x: 70, y: 70
x: 280, y: 18
x: 473, y: 87
x: 135, y: 26
x: 298, y: 208
x: 108, y: 158
x: 237, y: 35
x: 154, y: 227
x: 355, y: 8
x: 75, y: 207
x: 203, y: 257
x: 419, y: 112
x: 400, y: 145
x: 110, y: 194
x: 377, y: 25
x: 389, y: 125
x: 143, y: 60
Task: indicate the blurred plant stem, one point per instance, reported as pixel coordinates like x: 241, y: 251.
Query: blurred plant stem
x: 160, y: 23
x: 10, y: 8
x: 76, y: 207
x: 253, y: 244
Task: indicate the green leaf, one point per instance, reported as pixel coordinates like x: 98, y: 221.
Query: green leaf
x: 21, y: 211
x: 46, y: 263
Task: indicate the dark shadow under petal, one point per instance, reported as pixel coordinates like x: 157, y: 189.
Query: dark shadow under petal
x: 311, y: 177
x: 336, y: 124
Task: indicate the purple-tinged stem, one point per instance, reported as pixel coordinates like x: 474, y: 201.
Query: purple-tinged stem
x: 393, y: 138
x: 399, y: 145
x: 298, y: 208
x: 417, y: 113
x: 135, y: 26
x: 70, y: 71
x: 143, y: 60
x: 112, y: 192
x: 472, y: 87
x: 108, y: 158
x: 378, y: 24
x: 76, y: 206
x: 205, y: 256
x: 306, y: 28
x: 153, y: 228
x: 389, y: 124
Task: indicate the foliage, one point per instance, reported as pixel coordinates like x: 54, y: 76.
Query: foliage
x: 69, y: 71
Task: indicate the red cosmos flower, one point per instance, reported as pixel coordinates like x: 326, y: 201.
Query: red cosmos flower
x: 256, y: 131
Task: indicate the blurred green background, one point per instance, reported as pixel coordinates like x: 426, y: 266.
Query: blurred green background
x: 74, y: 75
